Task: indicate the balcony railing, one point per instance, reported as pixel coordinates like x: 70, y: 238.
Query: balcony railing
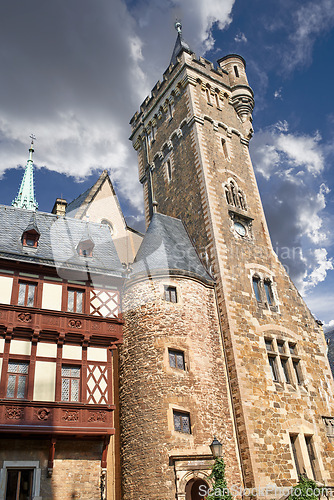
x: 35, y: 417
x: 71, y: 324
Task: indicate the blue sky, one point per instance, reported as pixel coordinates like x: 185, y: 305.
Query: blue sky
x: 74, y: 72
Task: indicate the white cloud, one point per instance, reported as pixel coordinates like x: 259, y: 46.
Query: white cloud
x: 278, y: 93
x: 311, y: 20
x: 329, y: 326
x: 294, y: 200
x: 240, y: 38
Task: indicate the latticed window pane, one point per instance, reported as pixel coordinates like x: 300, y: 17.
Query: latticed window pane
x: 74, y: 390
x: 180, y: 360
x: 65, y: 371
x: 17, y: 367
x: 70, y: 303
x: 79, y: 301
x: 22, y: 294
x: 11, y: 386
x: 172, y: 361
x: 65, y: 389
x: 185, y: 424
x: 21, y: 387
x: 177, y: 422
x: 75, y: 371
x: 181, y: 422
x: 31, y: 295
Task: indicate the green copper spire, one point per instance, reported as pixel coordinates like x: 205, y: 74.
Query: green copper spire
x: 26, y: 195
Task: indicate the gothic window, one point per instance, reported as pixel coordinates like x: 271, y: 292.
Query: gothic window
x: 70, y: 383
x: 228, y: 195
x: 170, y: 294
x: 170, y: 109
x: 279, y: 354
x: 17, y: 379
x: 269, y: 292
x: 256, y: 288
x: 27, y: 294
x: 176, y: 359
x: 241, y: 198
x: 181, y: 421
x: 208, y: 97
x: 217, y: 99
x: 75, y: 300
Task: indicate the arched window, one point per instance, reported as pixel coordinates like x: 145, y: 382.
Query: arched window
x: 256, y: 288
x: 242, y: 202
x: 225, y: 151
x: 234, y: 192
x: 109, y: 224
x: 234, y: 195
x: 269, y: 292
x: 208, y: 97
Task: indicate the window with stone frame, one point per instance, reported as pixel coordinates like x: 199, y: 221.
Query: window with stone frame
x: 70, y: 383
x: 256, y: 287
x: 176, y: 359
x: 75, y: 300
x: 27, y: 294
x: 305, y: 461
x: 168, y: 166
x: 284, y: 361
x: 181, y: 421
x: 170, y: 293
x: 263, y: 291
x: 17, y: 379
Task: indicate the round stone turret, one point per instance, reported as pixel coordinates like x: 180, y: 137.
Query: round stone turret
x: 242, y: 94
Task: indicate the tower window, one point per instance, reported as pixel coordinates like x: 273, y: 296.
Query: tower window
x: 269, y: 292
x: 176, y: 359
x: 236, y: 71
x: 181, y: 422
x: 208, y: 97
x: 225, y: 151
x: 293, y: 441
x: 273, y: 367
x: 296, y: 367
x: 217, y: 99
x: 170, y: 110
x: 169, y: 170
x: 170, y: 294
x: 256, y: 288
x: 285, y: 364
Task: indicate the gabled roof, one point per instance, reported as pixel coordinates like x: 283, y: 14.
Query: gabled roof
x: 78, y: 207
x: 58, y: 241
x: 166, y: 247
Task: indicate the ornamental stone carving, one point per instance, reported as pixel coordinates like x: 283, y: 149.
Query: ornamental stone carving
x: 42, y: 413
x: 25, y: 317
x: 70, y: 415
x: 97, y: 416
x: 13, y: 413
x: 75, y: 323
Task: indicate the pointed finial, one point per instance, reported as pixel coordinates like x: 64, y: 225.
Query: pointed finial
x: 31, y: 149
x: 178, y: 27
x: 26, y: 195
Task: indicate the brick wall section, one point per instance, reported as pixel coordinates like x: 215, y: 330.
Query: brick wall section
x: 266, y: 412
x: 150, y: 389
x: 77, y: 466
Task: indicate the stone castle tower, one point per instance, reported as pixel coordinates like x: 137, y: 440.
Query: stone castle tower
x: 265, y: 387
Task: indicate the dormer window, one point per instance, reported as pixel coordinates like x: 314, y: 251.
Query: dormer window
x: 85, y: 248
x: 30, y: 238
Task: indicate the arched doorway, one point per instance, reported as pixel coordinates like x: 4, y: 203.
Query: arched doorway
x: 196, y: 489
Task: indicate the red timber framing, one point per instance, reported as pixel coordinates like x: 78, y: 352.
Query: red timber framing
x: 92, y: 415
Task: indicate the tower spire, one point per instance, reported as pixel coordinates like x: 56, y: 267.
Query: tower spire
x: 26, y: 195
x: 180, y: 44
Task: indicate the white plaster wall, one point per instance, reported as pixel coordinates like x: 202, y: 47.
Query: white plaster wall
x: 45, y: 381
x: 0, y: 368
x: 2, y: 345
x: 96, y: 354
x: 51, y: 297
x: 6, y: 285
x: 20, y: 347
x: 72, y: 352
x: 46, y: 350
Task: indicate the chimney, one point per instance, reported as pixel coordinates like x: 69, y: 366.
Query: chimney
x: 59, y: 208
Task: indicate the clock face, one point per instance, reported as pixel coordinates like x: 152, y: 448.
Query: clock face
x: 240, y: 228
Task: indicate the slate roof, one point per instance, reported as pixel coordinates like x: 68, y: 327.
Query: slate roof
x: 58, y: 241
x: 167, y: 247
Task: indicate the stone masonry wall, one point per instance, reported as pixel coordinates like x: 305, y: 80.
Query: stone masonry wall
x: 150, y: 389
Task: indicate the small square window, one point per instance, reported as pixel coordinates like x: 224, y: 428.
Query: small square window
x: 176, y: 359
x: 170, y: 294
x: 181, y: 422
